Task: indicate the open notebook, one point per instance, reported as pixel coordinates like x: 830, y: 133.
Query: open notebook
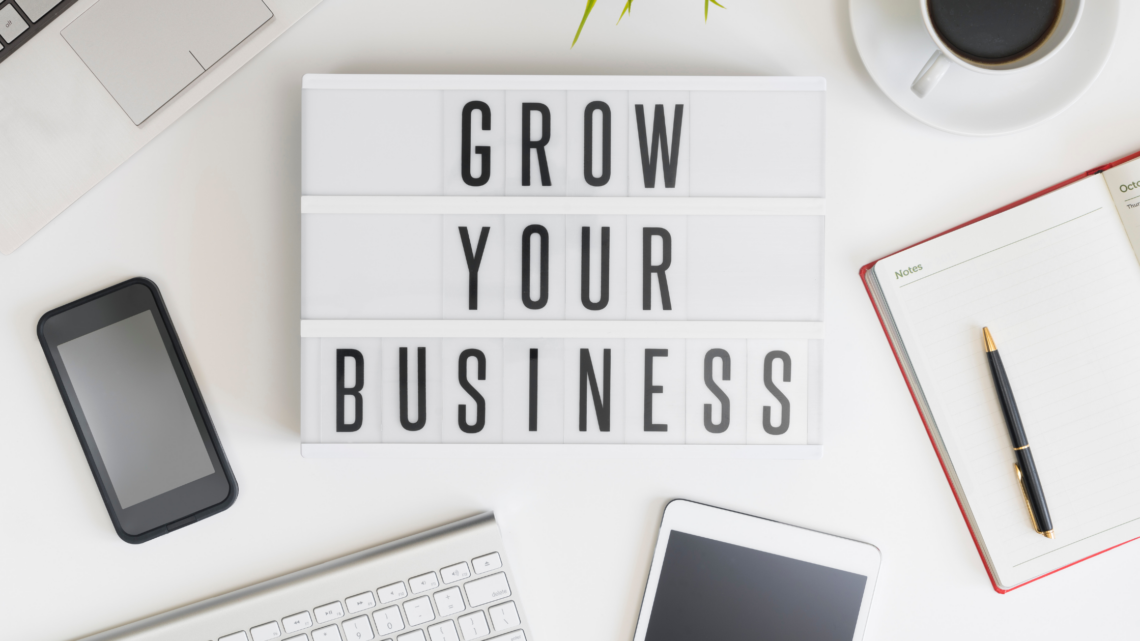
x: 1056, y: 278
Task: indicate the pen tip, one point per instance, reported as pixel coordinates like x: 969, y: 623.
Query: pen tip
x: 1048, y: 534
x: 990, y: 347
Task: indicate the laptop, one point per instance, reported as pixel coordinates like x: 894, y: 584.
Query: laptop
x: 84, y: 84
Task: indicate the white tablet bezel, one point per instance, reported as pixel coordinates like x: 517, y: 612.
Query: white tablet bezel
x: 764, y: 535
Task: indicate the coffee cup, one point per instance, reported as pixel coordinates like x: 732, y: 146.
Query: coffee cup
x: 994, y: 36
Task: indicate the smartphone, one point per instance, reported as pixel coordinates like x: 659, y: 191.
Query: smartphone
x: 137, y: 410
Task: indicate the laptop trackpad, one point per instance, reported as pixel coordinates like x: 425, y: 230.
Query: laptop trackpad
x: 146, y: 51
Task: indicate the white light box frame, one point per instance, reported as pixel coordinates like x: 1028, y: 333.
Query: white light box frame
x: 714, y: 304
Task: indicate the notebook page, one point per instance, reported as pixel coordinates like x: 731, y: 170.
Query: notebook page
x: 1058, y: 284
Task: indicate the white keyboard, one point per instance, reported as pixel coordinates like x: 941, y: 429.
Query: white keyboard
x: 452, y: 583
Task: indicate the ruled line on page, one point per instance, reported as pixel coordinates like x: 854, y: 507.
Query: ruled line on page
x: 1000, y: 248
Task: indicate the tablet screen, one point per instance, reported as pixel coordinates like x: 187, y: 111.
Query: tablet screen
x: 710, y: 589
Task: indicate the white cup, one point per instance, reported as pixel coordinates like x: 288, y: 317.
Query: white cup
x: 939, y: 63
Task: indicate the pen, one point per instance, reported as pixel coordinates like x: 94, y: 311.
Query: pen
x: 1025, y: 469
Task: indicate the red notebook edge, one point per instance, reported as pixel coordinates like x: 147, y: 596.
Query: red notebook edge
x: 882, y: 324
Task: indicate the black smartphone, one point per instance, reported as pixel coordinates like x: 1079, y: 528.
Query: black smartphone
x: 137, y: 411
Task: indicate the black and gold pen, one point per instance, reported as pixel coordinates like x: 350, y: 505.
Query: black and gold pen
x: 1025, y: 469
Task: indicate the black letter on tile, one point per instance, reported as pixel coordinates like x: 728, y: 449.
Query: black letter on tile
x: 648, y: 269
x: 421, y: 358
x: 588, y: 152
x: 785, y: 406
x: 537, y: 145
x: 483, y: 150
x: 543, y: 265
x: 533, y: 390
x: 480, y: 404
x: 342, y: 392
x: 726, y: 374
x: 602, y: 404
x: 651, y: 389
x: 604, y: 296
x: 473, y: 261
x: 649, y: 156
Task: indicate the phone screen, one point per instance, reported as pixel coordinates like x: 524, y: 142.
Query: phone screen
x: 136, y: 409
x: 716, y: 590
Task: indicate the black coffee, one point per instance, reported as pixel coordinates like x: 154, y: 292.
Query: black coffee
x: 994, y: 31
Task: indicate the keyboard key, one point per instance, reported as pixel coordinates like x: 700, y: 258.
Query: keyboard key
x: 331, y: 633
x: 443, y: 632
x: 418, y: 611
x: 448, y: 602
x: 298, y: 621
x: 517, y: 635
x: 394, y: 592
x: 265, y: 632
x: 388, y: 620
x: 492, y: 588
x: 299, y: 637
x: 329, y: 612
x: 236, y: 636
x: 414, y: 635
x: 504, y: 616
x: 11, y: 24
x: 473, y: 626
x: 358, y: 629
x: 453, y: 573
x: 36, y: 9
x: 423, y: 582
x: 360, y: 602
x: 487, y: 563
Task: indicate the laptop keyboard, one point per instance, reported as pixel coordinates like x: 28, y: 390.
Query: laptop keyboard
x: 450, y: 584
x: 20, y: 20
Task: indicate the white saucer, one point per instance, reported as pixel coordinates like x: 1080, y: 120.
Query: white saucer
x: 894, y: 45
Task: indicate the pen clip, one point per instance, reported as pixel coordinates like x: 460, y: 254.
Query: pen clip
x: 1025, y: 494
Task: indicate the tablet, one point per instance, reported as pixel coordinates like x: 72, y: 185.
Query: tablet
x: 718, y: 574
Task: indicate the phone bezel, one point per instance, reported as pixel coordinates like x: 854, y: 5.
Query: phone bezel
x: 180, y: 506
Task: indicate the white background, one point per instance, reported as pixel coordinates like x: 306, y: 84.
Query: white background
x: 210, y: 211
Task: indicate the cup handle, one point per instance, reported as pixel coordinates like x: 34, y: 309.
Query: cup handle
x: 935, y: 68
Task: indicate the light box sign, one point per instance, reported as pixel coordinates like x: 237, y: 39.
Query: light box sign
x: 496, y: 264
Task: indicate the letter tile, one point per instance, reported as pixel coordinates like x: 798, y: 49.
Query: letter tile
x: 411, y: 404
x: 595, y: 390
x: 474, y: 143
x: 540, y: 139
x: 778, y: 373
x: 354, y: 399
x: 659, y: 125
x: 657, y: 280
x: 533, y: 390
x: 655, y: 391
x: 472, y: 390
x: 535, y: 289
x: 473, y: 248
x: 716, y: 401
x: 604, y: 170
x: 604, y: 296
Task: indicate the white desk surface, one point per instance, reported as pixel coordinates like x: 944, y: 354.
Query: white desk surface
x: 209, y: 210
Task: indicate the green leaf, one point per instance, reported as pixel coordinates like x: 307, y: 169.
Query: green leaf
x: 707, y: 7
x: 589, y: 7
x: 628, y: 8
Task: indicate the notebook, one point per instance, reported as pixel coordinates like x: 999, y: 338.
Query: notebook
x: 528, y: 265
x: 1056, y: 278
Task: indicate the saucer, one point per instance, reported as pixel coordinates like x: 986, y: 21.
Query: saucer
x: 894, y: 44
